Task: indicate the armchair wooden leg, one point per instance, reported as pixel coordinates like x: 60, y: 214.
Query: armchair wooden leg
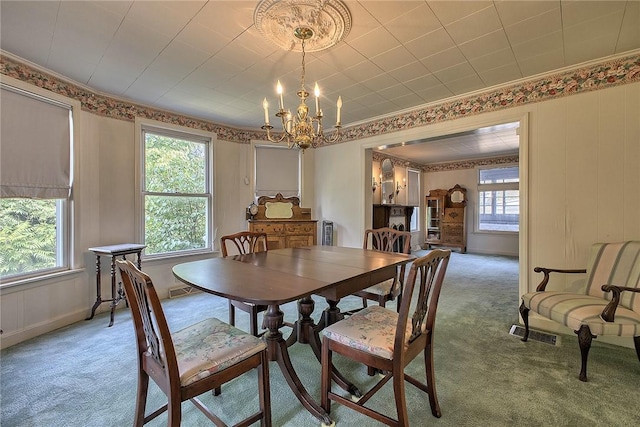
x: 636, y: 341
x: 584, y: 339
x: 524, y: 312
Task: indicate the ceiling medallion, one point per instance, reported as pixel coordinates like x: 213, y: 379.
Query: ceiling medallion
x: 329, y: 20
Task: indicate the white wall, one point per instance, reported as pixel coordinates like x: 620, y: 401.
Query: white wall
x: 104, y: 195
x: 584, y: 186
x: 583, y: 176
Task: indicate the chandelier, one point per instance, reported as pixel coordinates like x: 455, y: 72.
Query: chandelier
x: 301, y: 130
x: 302, y: 25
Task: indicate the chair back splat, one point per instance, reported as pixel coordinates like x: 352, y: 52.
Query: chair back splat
x: 429, y: 272
x: 189, y: 362
x: 245, y: 242
x: 385, y: 239
x: 385, y: 341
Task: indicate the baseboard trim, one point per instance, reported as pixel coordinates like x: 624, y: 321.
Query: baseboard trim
x: 19, y: 335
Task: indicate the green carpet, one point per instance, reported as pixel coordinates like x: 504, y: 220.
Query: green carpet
x: 85, y: 374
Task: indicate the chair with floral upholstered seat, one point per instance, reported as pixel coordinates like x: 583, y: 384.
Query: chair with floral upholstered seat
x: 388, y: 341
x: 192, y: 361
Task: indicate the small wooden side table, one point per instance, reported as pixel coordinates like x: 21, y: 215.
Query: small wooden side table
x: 113, y: 251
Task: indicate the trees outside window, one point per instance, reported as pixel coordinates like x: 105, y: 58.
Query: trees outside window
x: 31, y: 235
x: 176, y: 192
x: 35, y: 176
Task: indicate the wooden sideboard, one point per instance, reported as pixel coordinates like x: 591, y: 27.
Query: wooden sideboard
x: 285, y: 233
x: 289, y: 225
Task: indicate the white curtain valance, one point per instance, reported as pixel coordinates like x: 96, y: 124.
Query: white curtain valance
x: 35, y: 136
x: 277, y: 171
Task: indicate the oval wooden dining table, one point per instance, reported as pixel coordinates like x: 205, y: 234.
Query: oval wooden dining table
x: 281, y: 276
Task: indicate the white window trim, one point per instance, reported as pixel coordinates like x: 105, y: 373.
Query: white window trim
x: 497, y: 187
x: 73, y: 257
x: 139, y: 171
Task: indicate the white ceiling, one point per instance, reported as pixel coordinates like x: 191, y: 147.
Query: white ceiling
x: 207, y: 60
x: 492, y: 141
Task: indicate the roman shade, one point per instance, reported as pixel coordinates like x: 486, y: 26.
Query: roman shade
x: 277, y: 171
x: 36, y: 144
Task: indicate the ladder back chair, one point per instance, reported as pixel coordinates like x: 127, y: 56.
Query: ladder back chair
x: 245, y: 242
x: 388, y: 341
x: 189, y: 362
x: 386, y: 239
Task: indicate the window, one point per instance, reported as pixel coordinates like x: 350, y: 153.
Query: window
x: 277, y: 171
x: 498, y: 199
x: 176, y: 192
x: 413, y: 197
x: 36, y: 177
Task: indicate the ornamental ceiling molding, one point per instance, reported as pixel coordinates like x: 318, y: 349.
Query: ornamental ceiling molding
x: 277, y: 20
x: 598, y: 76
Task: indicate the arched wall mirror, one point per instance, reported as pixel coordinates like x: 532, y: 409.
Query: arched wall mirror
x: 388, y: 177
x: 458, y: 196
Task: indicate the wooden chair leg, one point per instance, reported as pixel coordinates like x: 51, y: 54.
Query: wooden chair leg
x: 382, y: 301
x: 264, y: 390
x: 401, y: 401
x: 524, y: 312
x: 325, y: 380
x: 584, y: 339
x: 174, y: 409
x: 232, y: 314
x: 141, y: 399
x: 636, y: 341
x: 431, y: 380
x: 253, y: 328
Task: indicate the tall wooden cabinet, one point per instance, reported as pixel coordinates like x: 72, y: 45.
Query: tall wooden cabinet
x: 445, y: 219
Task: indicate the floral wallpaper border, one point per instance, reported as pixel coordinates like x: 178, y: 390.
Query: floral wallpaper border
x: 598, y: 76
x: 446, y: 166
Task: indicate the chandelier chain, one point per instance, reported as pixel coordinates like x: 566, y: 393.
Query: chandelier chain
x: 303, y: 65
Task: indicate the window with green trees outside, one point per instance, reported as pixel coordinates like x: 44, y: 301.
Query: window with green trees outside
x: 176, y: 192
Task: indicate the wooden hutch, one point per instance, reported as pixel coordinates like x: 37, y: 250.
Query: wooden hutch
x: 286, y: 224
x: 445, y: 222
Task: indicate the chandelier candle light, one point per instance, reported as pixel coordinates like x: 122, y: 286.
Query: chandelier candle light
x: 301, y: 130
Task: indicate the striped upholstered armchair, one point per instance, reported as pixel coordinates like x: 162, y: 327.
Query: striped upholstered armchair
x: 608, y: 305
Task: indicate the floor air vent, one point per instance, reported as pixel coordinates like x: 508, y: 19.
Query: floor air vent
x: 543, y: 337
x: 181, y: 291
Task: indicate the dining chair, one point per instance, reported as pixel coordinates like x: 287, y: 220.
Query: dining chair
x: 245, y: 242
x: 388, y: 341
x: 385, y: 239
x: 191, y: 361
